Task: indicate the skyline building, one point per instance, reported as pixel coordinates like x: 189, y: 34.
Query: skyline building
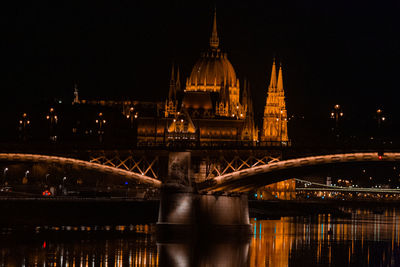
x: 275, y: 113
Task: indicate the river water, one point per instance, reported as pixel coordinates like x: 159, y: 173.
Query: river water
x: 366, y: 238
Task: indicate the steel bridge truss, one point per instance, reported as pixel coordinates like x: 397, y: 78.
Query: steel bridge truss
x: 142, y: 164
x: 227, y: 164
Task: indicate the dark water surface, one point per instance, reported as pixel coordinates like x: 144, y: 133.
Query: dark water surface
x: 366, y: 239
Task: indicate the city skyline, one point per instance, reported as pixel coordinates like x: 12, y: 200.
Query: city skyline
x: 124, y: 51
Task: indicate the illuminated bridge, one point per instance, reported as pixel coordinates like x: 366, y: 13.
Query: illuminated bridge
x: 318, y: 187
x: 200, y: 186
x: 211, y: 171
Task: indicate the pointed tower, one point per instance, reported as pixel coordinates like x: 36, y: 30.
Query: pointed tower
x: 249, y: 132
x: 214, y: 73
x: 172, y: 85
x: 178, y: 82
x: 275, y: 114
x: 272, y: 84
x: 214, y: 40
x: 76, y: 95
x: 171, y: 103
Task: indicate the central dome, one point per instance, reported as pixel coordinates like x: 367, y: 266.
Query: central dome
x: 212, y: 72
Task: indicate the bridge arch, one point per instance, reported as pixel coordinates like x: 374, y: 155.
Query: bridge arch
x: 251, y: 178
x: 35, y: 158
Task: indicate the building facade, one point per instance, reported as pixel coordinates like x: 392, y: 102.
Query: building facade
x: 275, y: 115
x: 211, y: 108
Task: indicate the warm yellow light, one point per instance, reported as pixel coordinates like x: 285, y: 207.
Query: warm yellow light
x: 20, y: 122
x: 127, y: 116
x: 100, y: 114
x: 47, y: 117
x: 97, y: 121
x: 51, y: 109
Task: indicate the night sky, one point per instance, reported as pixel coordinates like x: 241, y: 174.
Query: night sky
x: 331, y: 51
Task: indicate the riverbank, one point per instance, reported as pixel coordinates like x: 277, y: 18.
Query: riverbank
x: 270, y: 209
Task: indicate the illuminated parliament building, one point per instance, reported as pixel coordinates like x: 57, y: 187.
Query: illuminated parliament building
x: 213, y: 106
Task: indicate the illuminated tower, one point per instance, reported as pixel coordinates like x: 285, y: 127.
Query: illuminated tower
x: 213, y: 72
x: 275, y: 114
x: 250, y: 130
x: 171, y: 103
x: 76, y: 95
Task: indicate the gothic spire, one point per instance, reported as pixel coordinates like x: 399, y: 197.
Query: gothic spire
x: 172, y: 85
x: 214, y: 40
x: 280, y: 80
x: 272, y: 84
x: 244, y: 93
x: 172, y: 73
x: 76, y: 94
x: 178, y: 81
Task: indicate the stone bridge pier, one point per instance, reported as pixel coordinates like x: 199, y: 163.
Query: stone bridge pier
x: 184, y: 212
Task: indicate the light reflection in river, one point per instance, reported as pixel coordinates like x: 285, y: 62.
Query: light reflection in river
x: 365, y: 239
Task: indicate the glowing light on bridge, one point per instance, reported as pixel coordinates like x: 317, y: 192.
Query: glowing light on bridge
x: 81, y: 164
x: 245, y: 176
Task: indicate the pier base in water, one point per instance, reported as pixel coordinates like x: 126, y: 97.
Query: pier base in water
x: 186, y: 214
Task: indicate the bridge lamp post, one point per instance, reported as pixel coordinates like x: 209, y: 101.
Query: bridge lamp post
x: 63, y: 185
x: 25, y: 178
x: 336, y: 114
x: 380, y: 119
x: 24, y: 124
x: 100, y: 122
x: 132, y: 116
x: 52, y: 118
x: 4, y: 175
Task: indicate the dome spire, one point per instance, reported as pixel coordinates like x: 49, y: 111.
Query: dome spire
x: 214, y: 40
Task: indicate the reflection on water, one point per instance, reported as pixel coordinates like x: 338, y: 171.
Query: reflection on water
x: 365, y: 239
x: 80, y: 246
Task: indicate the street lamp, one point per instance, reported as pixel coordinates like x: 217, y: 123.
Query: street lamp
x: 23, y: 127
x: 132, y: 116
x: 336, y: 114
x: 52, y: 118
x: 380, y: 117
x: 25, y: 178
x: 4, y: 176
x: 100, y: 121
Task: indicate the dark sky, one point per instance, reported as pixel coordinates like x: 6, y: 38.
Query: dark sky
x: 332, y: 52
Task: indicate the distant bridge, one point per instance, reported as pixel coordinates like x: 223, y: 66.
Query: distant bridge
x: 318, y: 187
